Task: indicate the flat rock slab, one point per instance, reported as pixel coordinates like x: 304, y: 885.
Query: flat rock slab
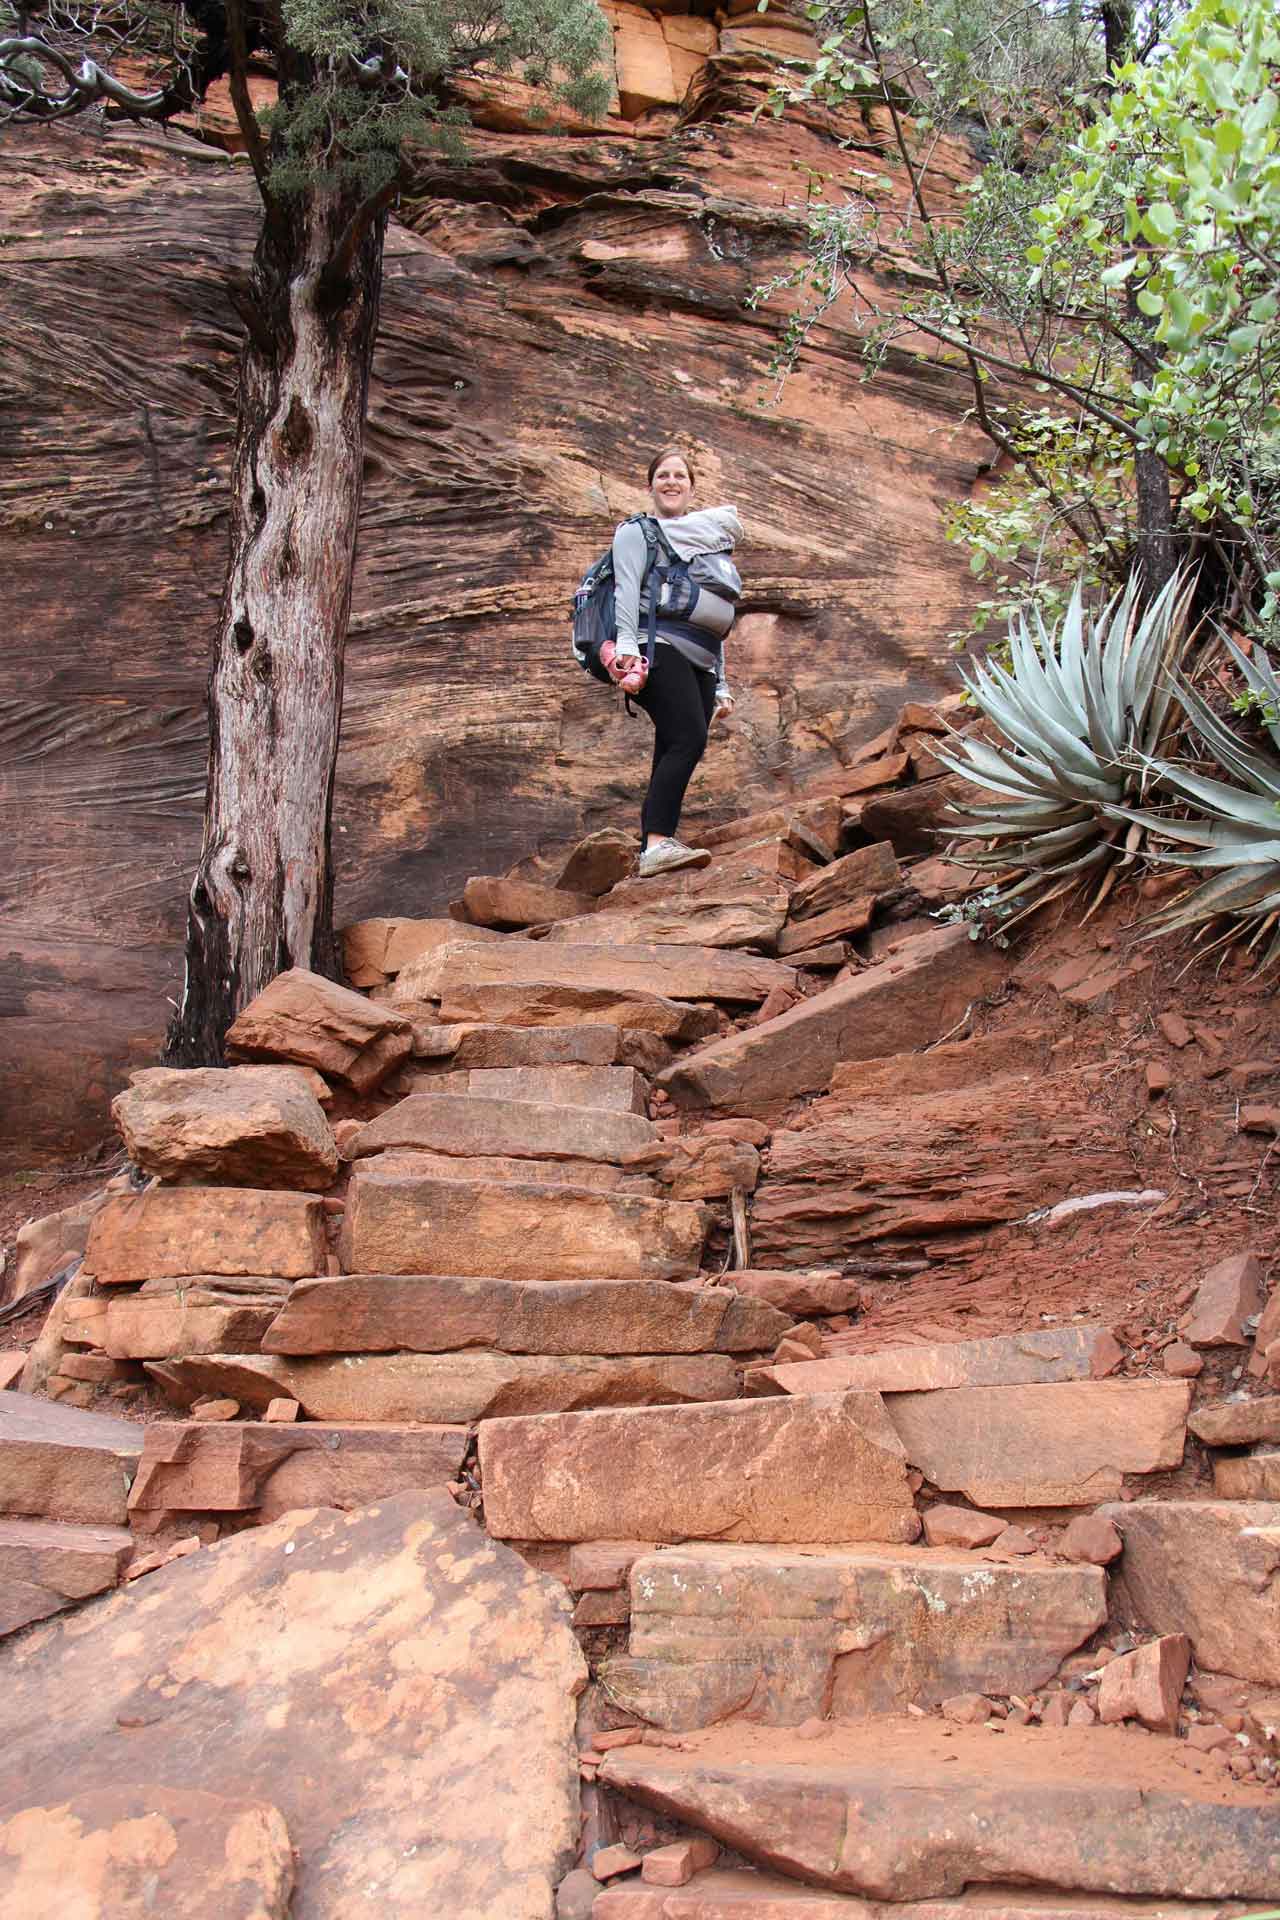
x: 132, y: 1852
x: 820, y: 1469
x: 1237, y: 1423
x: 532, y: 1003
x: 733, y: 1893
x: 515, y: 1232
x: 400, y: 1686
x: 683, y: 973
x: 1195, y: 1567
x: 1007, y: 1360
x: 174, y: 1232
x: 696, y: 922
x: 907, y: 1810
x: 500, y: 1168
x: 1252, y: 1476
x: 469, y: 1124
x: 374, y: 950
x: 45, y: 1567
x: 857, y: 1630
x: 820, y: 1290
x: 464, y: 1047
x: 434, y: 1313
x: 193, y: 1318
x: 617, y: 1089
x: 444, y: 1388
x: 195, y: 1467
x: 908, y: 1000
x: 250, y: 1126
x: 58, y: 1463
x: 1066, y: 1444
x: 303, y: 1017
x: 491, y: 901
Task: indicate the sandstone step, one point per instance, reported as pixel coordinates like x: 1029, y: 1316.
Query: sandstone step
x: 1012, y: 1359
x: 515, y: 1232
x: 461, y: 1048
x: 535, y: 1003
x: 472, y: 1124
x: 686, y: 973
x: 906, y: 1001
x: 736, y: 1893
x: 172, y: 1232
x: 489, y: 900
x: 1068, y: 1443
x: 1237, y: 1423
x: 58, y: 1463
x: 823, y: 1468
x: 1251, y: 1476
x: 850, y: 1631
x: 617, y: 1089
x: 255, y: 1125
x: 868, y: 870
x: 504, y: 1169
x: 445, y: 1388
x: 45, y: 1566
x: 435, y: 1313
x: 373, y: 951
x: 721, y: 919
x: 197, y: 1316
x: 905, y: 1810
x: 821, y: 817
x: 1209, y: 1569
x: 244, y: 1466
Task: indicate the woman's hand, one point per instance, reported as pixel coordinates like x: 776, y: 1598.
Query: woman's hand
x: 724, y: 705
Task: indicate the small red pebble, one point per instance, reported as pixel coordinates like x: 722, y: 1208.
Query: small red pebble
x: 608, y: 1862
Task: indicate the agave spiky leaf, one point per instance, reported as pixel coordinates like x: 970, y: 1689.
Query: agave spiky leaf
x: 1079, y: 712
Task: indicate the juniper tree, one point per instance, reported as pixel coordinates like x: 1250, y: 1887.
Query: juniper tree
x: 362, y: 85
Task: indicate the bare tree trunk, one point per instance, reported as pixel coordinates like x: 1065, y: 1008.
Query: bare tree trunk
x: 262, y: 897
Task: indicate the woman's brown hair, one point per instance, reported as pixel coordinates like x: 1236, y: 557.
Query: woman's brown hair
x: 665, y: 453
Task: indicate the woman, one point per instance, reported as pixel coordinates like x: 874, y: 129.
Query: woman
x: 686, y: 688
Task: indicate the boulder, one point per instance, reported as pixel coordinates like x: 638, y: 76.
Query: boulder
x: 1063, y: 1445
x: 192, y: 1467
x: 61, y: 1463
x: 700, y: 1166
x: 946, y: 1526
x: 134, y: 1851
x: 684, y: 973
x: 429, y: 1313
x: 799, y: 941
x: 600, y: 861
x: 820, y: 1469
x: 175, y: 1232
x: 471, y: 1124
x: 1146, y: 1685
x: 401, y: 1686
x: 302, y: 1016
x: 515, y: 1232
x: 915, y: 819
x: 852, y: 1631
x: 196, y: 1317
x: 446, y: 1388
x: 1091, y: 1539
x: 45, y: 1566
x: 904, y: 1002
x: 1228, y: 1295
x: 373, y: 951
x: 245, y: 1126
x: 867, y: 871
x: 1252, y: 1476
x: 1206, y: 1568
x: 491, y: 902
x: 900, y: 1811
x: 1005, y: 1360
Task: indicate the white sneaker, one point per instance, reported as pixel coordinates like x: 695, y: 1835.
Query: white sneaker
x: 662, y: 855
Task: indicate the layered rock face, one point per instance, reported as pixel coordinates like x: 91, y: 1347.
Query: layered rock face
x: 550, y: 315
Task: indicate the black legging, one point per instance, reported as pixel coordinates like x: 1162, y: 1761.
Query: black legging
x: 679, y: 698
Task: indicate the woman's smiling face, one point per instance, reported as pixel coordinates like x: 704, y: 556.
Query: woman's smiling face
x: 672, y: 486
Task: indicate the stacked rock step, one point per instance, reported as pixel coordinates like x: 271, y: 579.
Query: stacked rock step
x: 728, y: 1893
x: 64, y: 1486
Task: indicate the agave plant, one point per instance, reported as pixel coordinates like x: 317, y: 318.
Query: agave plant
x: 1081, y: 713
x: 1233, y: 836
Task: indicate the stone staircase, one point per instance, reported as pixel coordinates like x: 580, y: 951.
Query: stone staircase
x: 846, y: 1602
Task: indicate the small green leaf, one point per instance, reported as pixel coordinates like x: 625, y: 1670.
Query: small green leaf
x: 1228, y: 137
x: 1150, y: 302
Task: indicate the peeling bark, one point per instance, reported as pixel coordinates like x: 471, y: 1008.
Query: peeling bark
x: 262, y: 897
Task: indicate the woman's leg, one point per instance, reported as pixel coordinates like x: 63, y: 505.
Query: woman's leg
x: 679, y: 699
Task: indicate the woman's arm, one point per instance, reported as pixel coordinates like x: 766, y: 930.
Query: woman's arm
x: 630, y: 551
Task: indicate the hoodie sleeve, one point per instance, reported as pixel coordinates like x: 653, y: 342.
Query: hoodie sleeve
x: 629, y: 554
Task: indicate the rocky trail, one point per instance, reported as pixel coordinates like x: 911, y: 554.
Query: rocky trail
x: 676, y: 1400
